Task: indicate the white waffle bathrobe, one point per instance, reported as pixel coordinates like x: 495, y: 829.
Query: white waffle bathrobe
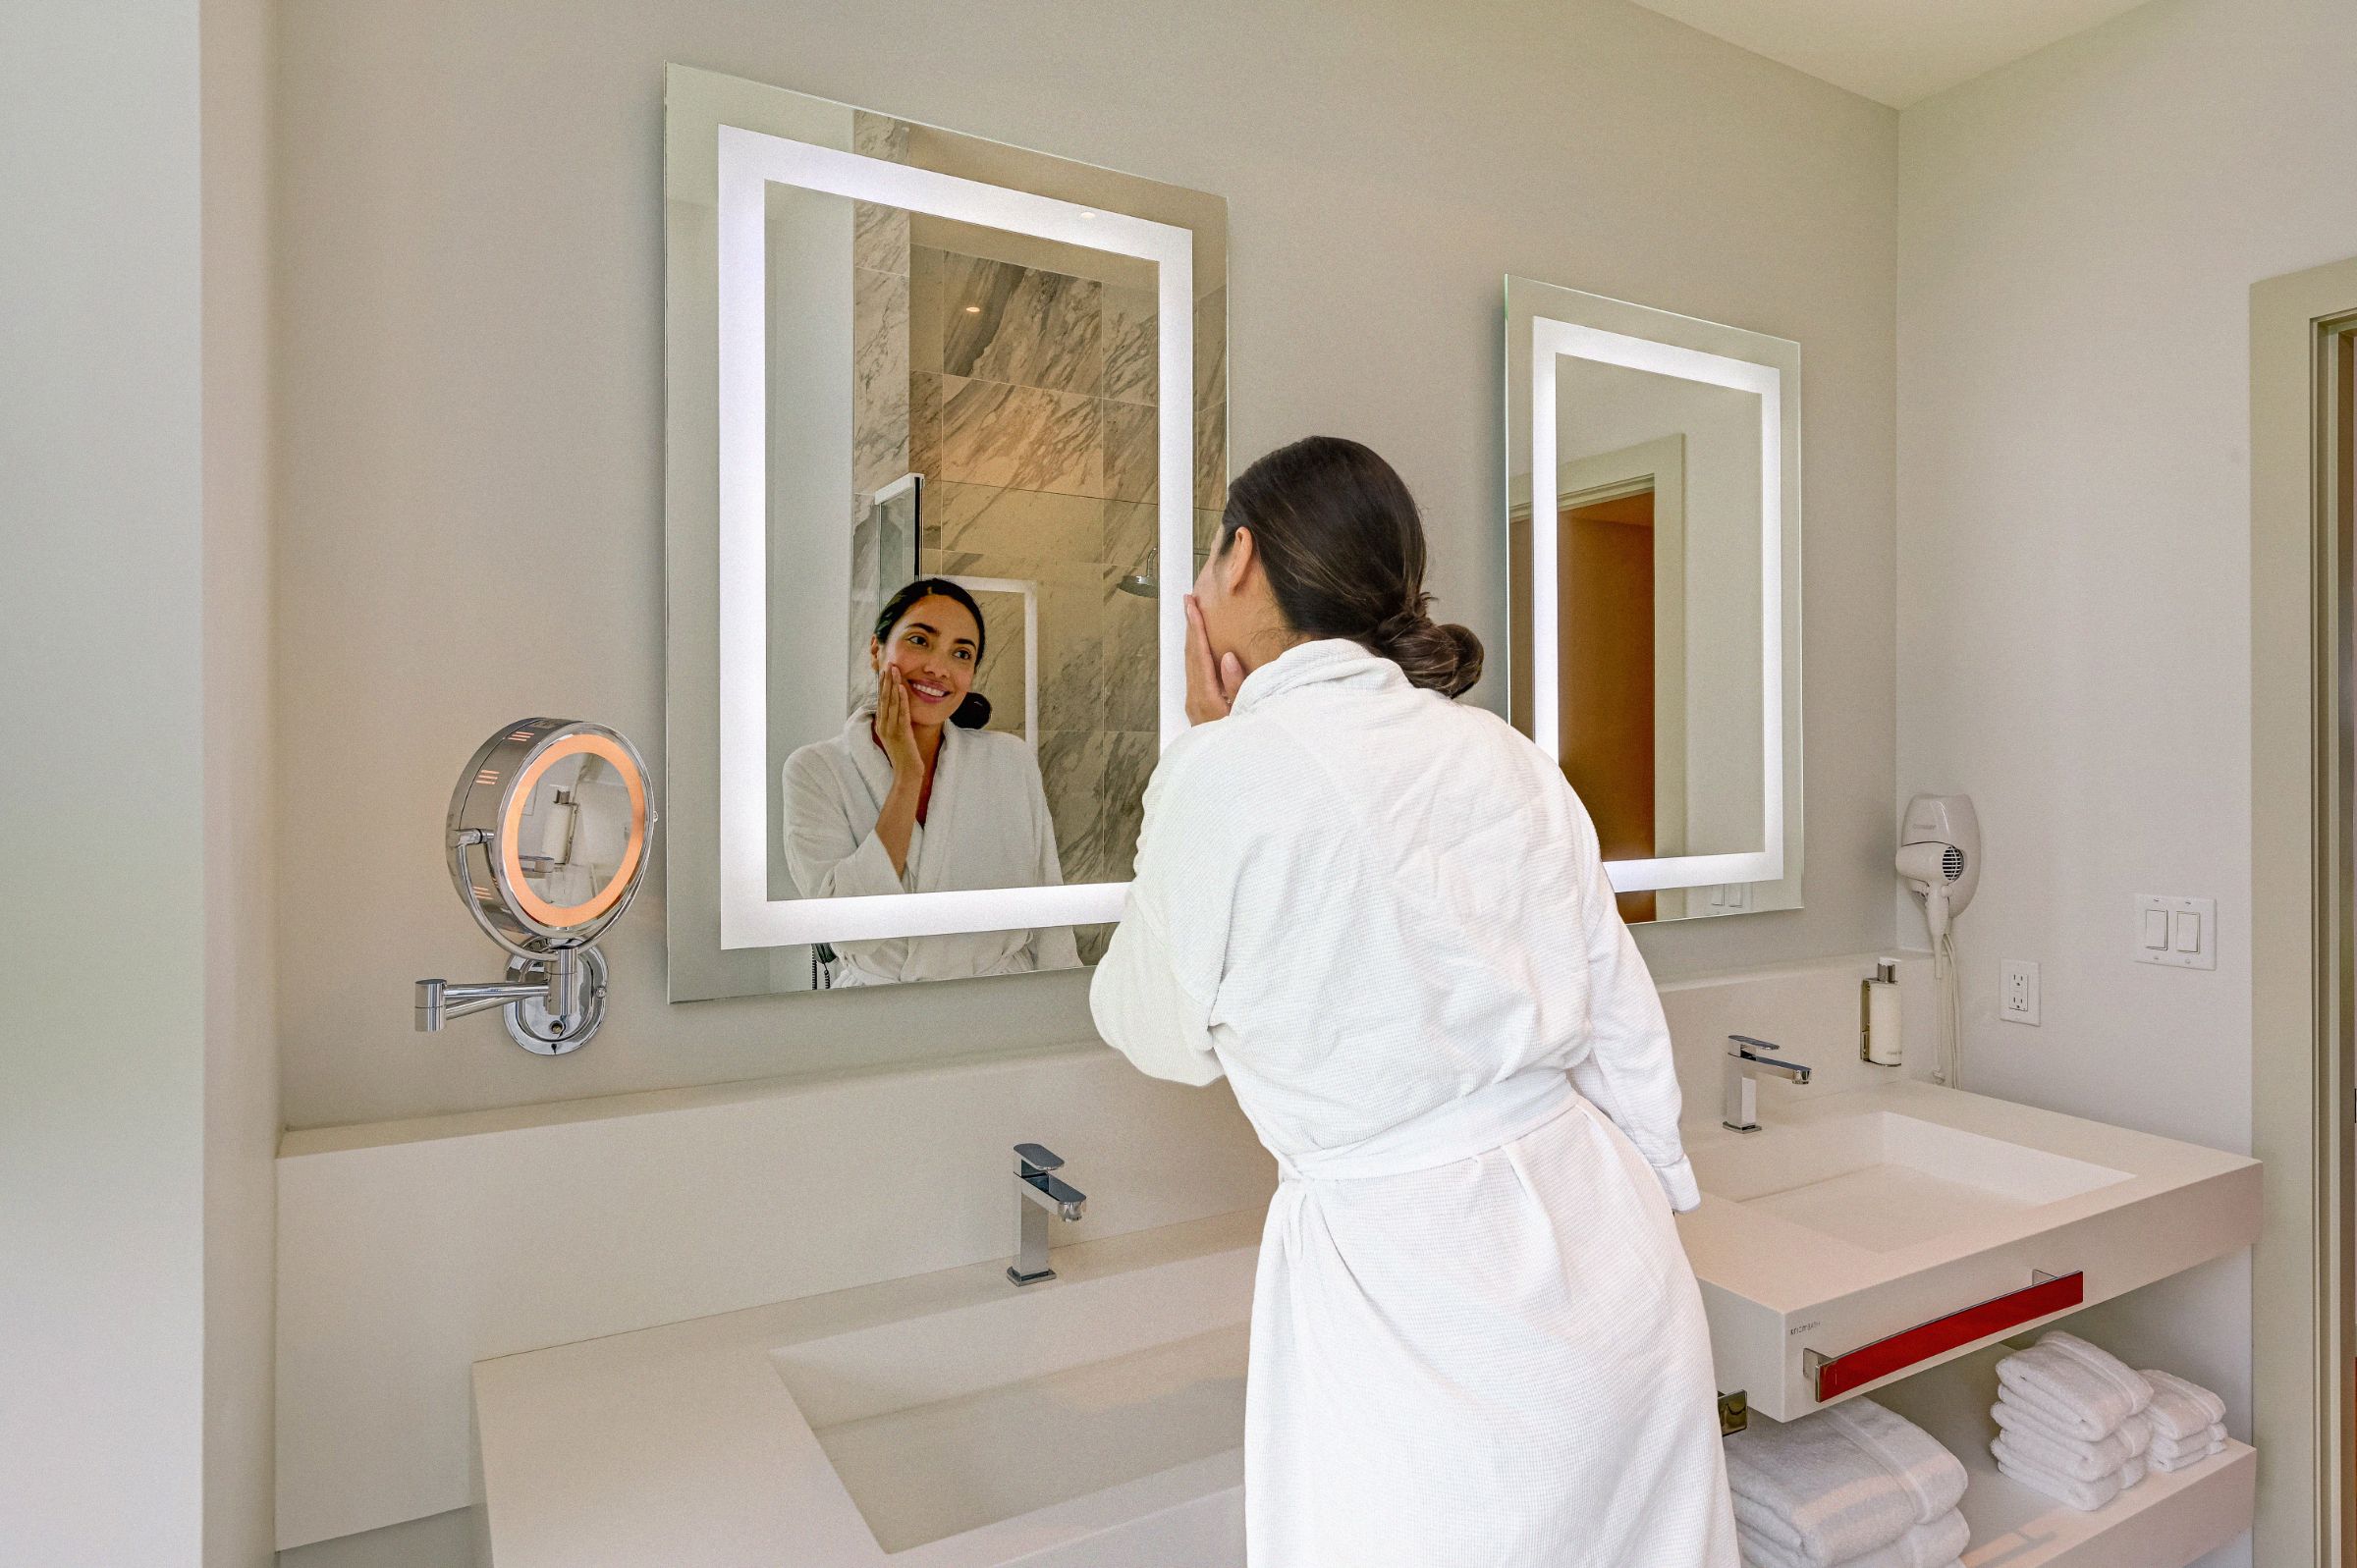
x: 987, y: 825
x: 1476, y: 1342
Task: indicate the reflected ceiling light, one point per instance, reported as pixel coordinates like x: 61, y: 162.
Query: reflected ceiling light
x: 548, y: 836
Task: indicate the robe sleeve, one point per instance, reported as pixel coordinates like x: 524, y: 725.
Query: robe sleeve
x: 1049, y: 946
x: 825, y: 855
x: 1153, y: 991
x: 1629, y: 1072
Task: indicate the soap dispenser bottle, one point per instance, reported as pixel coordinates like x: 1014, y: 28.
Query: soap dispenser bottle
x: 1877, y: 1016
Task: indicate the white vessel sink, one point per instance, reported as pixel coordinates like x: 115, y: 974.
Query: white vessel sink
x: 1882, y: 1180
x: 947, y: 1421
x: 941, y: 1425
x: 1859, y: 1214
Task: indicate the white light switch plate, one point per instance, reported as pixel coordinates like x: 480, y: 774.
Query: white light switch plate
x: 2018, y: 990
x: 2181, y: 933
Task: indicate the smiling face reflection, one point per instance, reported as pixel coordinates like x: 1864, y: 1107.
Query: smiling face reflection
x: 935, y: 647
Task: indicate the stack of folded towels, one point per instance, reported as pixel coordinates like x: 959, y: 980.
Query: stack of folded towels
x: 2081, y: 1426
x: 2188, y: 1421
x: 1852, y: 1486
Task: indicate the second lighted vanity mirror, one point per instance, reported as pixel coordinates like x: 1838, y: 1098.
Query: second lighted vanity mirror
x: 1655, y: 634
x: 947, y: 420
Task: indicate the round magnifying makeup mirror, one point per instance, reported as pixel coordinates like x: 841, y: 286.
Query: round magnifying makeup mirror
x: 549, y: 832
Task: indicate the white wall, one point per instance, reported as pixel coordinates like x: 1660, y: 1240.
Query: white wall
x: 469, y: 347
x: 2078, y: 237
x: 240, y: 1024
x: 103, y: 830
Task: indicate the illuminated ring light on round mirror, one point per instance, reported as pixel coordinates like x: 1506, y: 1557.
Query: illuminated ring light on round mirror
x: 549, y: 834
x: 556, y: 815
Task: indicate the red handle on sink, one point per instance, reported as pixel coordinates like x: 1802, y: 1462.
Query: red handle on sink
x: 1837, y: 1375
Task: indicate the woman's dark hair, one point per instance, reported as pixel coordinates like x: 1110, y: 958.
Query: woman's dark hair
x: 974, y: 712
x: 1339, y: 537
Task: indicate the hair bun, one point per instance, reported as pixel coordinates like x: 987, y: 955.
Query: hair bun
x: 1440, y: 657
x: 973, y: 713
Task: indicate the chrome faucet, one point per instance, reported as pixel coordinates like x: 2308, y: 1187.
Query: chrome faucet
x: 1740, y: 1099
x: 1037, y: 1195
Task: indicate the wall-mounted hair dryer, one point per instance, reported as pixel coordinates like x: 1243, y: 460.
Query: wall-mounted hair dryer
x: 1939, y: 857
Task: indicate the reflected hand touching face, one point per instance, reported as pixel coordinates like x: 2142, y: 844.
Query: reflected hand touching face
x: 893, y: 732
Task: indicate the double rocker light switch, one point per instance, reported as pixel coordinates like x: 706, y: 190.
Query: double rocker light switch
x: 2178, y: 932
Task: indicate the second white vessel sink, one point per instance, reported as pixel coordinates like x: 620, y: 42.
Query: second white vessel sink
x: 1883, y: 1180
x: 1864, y: 1234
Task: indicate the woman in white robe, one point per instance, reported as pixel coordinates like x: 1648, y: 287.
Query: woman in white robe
x: 1476, y: 1341
x: 915, y: 796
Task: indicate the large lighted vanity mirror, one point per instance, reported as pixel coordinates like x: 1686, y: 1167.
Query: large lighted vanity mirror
x: 1653, y: 483
x: 947, y: 420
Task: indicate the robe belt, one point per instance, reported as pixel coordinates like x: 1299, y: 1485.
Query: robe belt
x: 1476, y: 1123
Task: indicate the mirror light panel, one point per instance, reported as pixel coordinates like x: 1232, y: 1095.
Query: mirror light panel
x: 1550, y: 341
x: 748, y: 162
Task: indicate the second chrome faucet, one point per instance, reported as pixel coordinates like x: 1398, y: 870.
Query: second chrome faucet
x: 1037, y: 1195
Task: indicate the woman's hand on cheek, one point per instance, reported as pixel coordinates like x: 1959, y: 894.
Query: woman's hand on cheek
x: 895, y: 731
x: 1211, y: 684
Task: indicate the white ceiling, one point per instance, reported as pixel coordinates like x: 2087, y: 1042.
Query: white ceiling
x: 1893, y: 51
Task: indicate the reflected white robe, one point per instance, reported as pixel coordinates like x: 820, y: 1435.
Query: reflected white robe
x: 986, y: 826
x: 1476, y: 1341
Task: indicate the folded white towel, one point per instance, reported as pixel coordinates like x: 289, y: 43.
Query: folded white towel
x: 2131, y: 1473
x: 2036, y: 1443
x: 2132, y: 1435
x: 1926, y: 1545
x: 2084, y: 1495
x: 2080, y: 1394
x: 2190, y: 1451
x: 1810, y: 1489
x: 2179, y: 1409
x: 1932, y: 1476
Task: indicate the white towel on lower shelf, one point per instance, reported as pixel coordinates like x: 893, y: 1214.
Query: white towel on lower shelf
x: 2180, y: 1454
x: 1814, y: 1492
x: 2132, y: 1471
x: 2180, y: 1409
x: 1932, y: 1476
x: 1926, y: 1545
x: 2084, y: 1390
x: 2036, y: 1443
x: 2084, y: 1496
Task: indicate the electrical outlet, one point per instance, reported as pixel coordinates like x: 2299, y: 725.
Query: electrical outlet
x: 2017, y: 991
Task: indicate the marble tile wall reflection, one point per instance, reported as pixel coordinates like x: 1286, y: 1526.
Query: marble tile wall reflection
x: 1029, y: 403
x: 1022, y: 325
x: 881, y: 423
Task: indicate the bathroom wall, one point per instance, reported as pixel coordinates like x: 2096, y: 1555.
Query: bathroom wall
x: 470, y: 447
x: 106, y: 832
x: 240, y: 1010
x: 2078, y: 237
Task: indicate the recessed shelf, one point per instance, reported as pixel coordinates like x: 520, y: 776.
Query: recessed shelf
x: 2165, y: 1521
